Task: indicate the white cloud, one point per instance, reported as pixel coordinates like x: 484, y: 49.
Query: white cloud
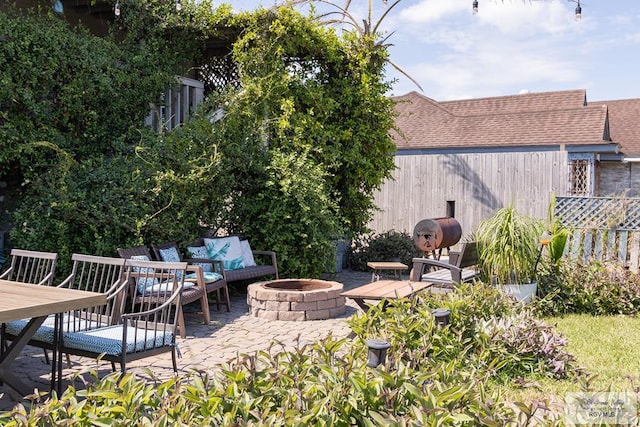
x: 529, y: 18
x: 490, y: 73
x: 484, y: 62
x: 633, y: 37
x: 506, y: 47
x: 427, y: 11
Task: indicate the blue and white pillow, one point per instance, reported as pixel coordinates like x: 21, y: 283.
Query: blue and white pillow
x: 201, y: 253
x: 171, y: 255
x: 152, y: 284
x: 226, y: 249
x: 143, y: 282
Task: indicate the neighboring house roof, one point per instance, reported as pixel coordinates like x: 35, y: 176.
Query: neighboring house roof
x: 534, y: 119
x: 527, y: 102
x: 624, y: 124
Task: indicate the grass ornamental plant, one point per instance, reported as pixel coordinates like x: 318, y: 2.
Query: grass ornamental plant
x: 508, y: 247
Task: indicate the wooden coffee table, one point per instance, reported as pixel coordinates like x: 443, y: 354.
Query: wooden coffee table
x: 384, y: 290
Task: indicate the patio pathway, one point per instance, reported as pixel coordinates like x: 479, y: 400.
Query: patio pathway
x: 206, y: 346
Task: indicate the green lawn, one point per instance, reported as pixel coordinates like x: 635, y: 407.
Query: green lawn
x: 608, y: 347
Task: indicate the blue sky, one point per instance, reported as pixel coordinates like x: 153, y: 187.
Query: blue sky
x: 509, y: 46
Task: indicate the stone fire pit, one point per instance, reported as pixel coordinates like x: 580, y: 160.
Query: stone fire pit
x: 296, y: 299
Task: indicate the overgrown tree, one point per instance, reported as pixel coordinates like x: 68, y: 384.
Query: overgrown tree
x: 292, y: 164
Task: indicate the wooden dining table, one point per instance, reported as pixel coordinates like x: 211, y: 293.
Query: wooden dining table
x: 35, y: 302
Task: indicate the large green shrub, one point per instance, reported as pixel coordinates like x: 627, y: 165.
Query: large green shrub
x: 165, y: 188
x: 79, y: 92
x: 570, y: 286
x: 294, y: 216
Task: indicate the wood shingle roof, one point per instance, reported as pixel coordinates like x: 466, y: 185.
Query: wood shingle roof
x: 533, y: 119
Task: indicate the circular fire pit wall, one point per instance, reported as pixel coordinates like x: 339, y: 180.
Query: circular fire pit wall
x: 296, y: 299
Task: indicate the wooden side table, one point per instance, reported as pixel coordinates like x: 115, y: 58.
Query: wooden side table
x: 378, y: 267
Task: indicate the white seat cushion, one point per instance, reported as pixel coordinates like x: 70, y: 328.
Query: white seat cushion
x: 108, y: 340
x: 166, y: 287
x: 444, y: 275
x: 209, y: 277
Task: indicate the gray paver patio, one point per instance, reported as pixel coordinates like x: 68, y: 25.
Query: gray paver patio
x: 206, y: 346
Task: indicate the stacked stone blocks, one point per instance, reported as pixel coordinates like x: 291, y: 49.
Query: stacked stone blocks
x: 296, y: 299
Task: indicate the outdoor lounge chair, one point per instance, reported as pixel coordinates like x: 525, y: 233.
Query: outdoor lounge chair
x: 144, y: 329
x: 207, y: 271
x: 461, y: 267
x: 193, y: 291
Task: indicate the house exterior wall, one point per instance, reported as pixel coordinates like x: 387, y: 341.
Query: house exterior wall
x: 478, y: 183
x: 617, y: 178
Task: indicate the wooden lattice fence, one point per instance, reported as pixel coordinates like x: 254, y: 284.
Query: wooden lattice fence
x: 602, y: 228
x: 219, y: 73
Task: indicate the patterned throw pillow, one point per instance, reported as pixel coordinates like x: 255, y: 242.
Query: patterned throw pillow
x: 247, y: 254
x: 171, y: 255
x: 143, y: 282
x: 201, y: 253
x: 226, y: 249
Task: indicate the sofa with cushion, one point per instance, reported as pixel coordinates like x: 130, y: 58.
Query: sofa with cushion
x: 240, y: 261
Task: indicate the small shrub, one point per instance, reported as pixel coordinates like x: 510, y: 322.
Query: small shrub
x: 595, y: 288
x: 527, y: 345
x: 388, y: 246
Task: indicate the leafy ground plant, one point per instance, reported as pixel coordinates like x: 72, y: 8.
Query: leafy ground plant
x: 327, y: 384
x: 432, y: 376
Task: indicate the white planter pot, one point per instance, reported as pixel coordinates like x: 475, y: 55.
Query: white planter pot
x: 521, y: 292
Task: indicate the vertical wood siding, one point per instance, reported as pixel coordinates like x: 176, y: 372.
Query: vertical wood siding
x: 479, y: 183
